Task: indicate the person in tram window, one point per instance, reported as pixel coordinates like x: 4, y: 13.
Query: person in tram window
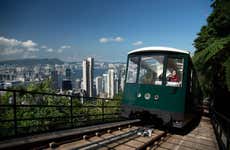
x: 173, y: 77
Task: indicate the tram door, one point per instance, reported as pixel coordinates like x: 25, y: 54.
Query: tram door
x: 175, y: 75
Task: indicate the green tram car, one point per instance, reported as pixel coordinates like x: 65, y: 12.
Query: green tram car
x: 149, y: 89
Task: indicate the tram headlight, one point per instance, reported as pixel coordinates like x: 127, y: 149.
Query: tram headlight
x: 139, y: 95
x: 147, y: 96
x: 156, y: 97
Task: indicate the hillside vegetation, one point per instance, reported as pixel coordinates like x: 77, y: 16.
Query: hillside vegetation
x: 212, y: 55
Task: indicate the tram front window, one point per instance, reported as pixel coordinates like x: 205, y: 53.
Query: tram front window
x: 132, y: 70
x: 151, y: 70
x: 174, y: 72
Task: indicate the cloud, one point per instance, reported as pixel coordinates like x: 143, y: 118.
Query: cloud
x: 29, y: 43
x: 13, y: 46
x: 50, y: 50
x: 60, y: 50
x: 137, y: 43
x: 103, y: 40
x: 115, y: 39
x: 44, y: 46
x: 65, y: 46
x: 8, y: 42
x: 118, y: 39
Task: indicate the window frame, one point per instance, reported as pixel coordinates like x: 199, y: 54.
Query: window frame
x: 127, y: 68
x: 139, y: 66
x: 165, y: 63
x: 174, y: 56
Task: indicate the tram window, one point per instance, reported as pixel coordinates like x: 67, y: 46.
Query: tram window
x: 174, y: 73
x: 132, y: 70
x: 151, y: 70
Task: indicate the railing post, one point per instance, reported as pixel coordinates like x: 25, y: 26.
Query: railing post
x: 103, y: 118
x: 15, y: 113
x: 228, y: 134
x: 71, y: 110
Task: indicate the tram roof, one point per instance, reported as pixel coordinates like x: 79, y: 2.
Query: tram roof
x: 159, y: 49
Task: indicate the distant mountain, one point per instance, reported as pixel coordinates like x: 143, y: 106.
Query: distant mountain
x: 31, y: 62
x: 98, y: 61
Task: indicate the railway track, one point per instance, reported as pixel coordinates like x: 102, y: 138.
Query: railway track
x: 126, y: 137
x: 130, y: 134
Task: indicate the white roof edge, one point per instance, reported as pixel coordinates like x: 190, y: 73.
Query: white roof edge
x: 158, y: 48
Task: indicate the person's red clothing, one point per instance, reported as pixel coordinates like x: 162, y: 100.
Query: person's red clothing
x: 174, y: 79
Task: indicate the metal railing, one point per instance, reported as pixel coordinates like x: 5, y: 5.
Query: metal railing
x: 23, y: 112
x: 221, y: 126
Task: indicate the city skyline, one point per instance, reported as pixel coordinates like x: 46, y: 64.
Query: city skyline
x: 85, y: 79
x: 105, y: 30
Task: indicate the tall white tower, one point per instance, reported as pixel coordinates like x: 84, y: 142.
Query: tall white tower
x: 85, y: 75
x: 111, y: 81
x: 87, y: 68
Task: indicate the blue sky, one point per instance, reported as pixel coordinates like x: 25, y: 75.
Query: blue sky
x: 105, y: 29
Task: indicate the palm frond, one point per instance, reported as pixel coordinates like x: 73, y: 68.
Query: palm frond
x: 209, y: 52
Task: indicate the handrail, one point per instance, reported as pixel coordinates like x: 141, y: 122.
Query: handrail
x: 221, y: 126
x: 54, y: 94
x: 222, y: 116
x: 68, y: 112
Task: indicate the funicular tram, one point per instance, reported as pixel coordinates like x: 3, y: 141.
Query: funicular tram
x: 162, y: 82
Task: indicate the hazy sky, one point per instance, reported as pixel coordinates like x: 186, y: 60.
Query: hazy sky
x: 105, y: 29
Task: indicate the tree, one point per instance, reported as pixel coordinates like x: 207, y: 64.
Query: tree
x: 212, y: 55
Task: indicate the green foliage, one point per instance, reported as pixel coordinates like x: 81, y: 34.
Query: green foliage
x: 208, y: 54
x: 212, y: 55
x: 32, y: 118
x: 118, y: 96
x: 201, y: 42
x: 45, y: 86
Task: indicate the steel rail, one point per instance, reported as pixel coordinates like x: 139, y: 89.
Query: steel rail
x: 42, y: 139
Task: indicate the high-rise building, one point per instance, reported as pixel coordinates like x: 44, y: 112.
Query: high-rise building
x: 87, y: 68
x: 111, y: 83
x: 68, y: 73
x: 98, y: 85
x: 105, y: 83
x: 66, y: 85
x: 54, y: 79
x: 85, y: 75
x: 77, y: 84
x: 60, y: 78
x: 91, y: 70
x: 116, y: 84
x: 122, y: 83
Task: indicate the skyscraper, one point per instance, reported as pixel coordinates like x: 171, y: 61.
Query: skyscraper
x: 122, y: 83
x: 68, y: 73
x: 98, y: 85
x: 54, y: 78
x: 105, y: 83
x: 77, y: 84
x: 85, y: 75
x: 116, y: 84
x: 111, y: 81
x: 87, y: 68
x: 66, y: 85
